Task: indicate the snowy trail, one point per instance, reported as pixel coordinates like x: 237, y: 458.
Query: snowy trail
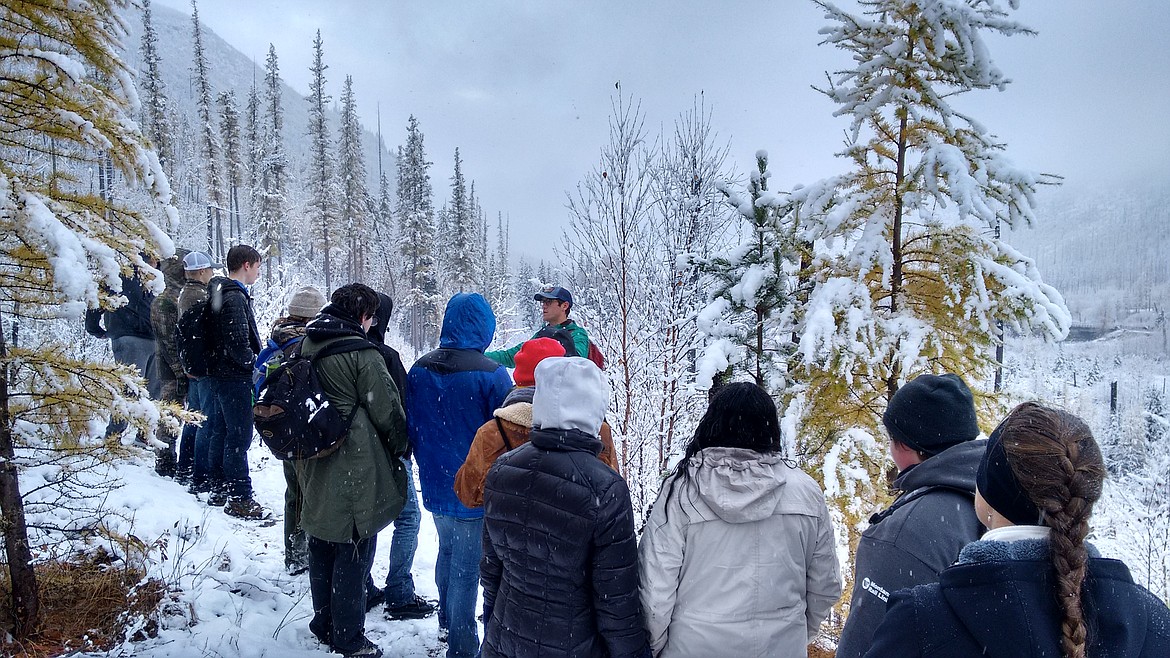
x: 236, y: 599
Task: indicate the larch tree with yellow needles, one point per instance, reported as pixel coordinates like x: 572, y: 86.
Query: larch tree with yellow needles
x: 66, y: 108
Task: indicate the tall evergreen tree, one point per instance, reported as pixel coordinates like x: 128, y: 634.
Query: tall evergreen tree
x: 271, y: 221
x: 322, y: 186
x: 416, y: 216
x: 234, y: 166
x: 156, y: 106
x: 351, y: 170
x: 464, y: 236
x: 209, y: 142
x: 907, y: 274
x: 64, y: 107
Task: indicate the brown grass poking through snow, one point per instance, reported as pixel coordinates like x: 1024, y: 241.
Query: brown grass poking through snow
x: 85, y: 604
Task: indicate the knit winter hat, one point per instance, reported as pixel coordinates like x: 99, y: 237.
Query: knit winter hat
x: 931, y: 413
x: 531, y: 353
x: 306, y: 302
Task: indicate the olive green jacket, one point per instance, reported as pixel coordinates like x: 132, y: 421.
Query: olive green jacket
x: 360, y: 488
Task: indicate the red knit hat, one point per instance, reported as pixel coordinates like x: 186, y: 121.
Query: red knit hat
x: 531, y: 353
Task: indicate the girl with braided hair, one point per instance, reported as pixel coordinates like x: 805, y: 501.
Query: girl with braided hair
x: 1031, y: 586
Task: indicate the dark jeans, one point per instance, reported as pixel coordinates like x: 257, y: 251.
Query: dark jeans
x: 186, y: 463
x: 295, y: 547
x: 403, y: 544
x: 230, y: 421
x: 337, y: 581
x: 198, y: 399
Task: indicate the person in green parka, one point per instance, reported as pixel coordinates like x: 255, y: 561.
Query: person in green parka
x: 358, y: 490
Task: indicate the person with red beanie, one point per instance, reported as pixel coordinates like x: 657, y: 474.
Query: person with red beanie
x: 511, y: 423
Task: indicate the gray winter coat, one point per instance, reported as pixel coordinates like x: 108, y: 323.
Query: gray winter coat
x: 738, y: 560
x: 914, y: 539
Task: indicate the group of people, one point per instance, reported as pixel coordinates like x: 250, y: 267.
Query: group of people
x: 983, y: 552
x: 211, y: 457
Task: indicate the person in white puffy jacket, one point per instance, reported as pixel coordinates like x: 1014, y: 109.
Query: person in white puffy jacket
x: 738, y: 557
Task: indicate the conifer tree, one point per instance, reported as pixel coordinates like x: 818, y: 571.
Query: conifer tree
x: 416, y: 216
x: 252, y: 131
x: 271, y: 223
x: 208, y: 143
x: 464, y: 235
x: 906, y: 275
x: 351, y: 170
x: 234, y: 169
x: 749, y: 292
x: 66, y: 104
x: 156, y: 107
x: 322, y: 186
x: 923, y: 279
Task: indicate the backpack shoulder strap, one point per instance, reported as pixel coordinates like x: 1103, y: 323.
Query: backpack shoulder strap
x: 503, y: 434
x: 339, y: 347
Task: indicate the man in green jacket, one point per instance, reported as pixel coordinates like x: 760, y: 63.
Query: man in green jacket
x: 358, y: 490
x: 555, y: 304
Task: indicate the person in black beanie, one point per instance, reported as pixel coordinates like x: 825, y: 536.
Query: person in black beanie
x: 932, y: 427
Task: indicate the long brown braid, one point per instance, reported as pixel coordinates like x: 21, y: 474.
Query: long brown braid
x: 1057, y: 463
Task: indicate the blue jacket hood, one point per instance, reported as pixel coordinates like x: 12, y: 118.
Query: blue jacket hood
x: 468, y: 323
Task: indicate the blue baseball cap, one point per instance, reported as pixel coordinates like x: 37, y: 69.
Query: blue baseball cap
x: 554, y: 292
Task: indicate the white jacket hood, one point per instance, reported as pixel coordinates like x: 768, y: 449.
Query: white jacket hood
x: 571, y: 393
x: 740, y: 485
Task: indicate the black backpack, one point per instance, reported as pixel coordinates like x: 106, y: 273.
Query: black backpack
x: 193, y: 339
x: 294, y: 417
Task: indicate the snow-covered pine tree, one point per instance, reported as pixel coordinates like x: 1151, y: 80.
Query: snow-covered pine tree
x: 234, y: 167
x: 155, y: 105
x: 66, y: 103
x: 748, y: 319
x: 416, y: 218
x: 271, y: 222
x: 383, y: 260
x: 464, y: 235
x: 909, y: 277
x: 351, y: 172
x: 692, y: 219
x: 322, y: 185
x: 252, y: 134
x: 921, y: 278
x: 208, y: 142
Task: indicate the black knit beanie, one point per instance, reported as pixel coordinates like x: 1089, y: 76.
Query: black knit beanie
x: 931, y: 413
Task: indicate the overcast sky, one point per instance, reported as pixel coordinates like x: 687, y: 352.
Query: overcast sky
x: 524, y: 88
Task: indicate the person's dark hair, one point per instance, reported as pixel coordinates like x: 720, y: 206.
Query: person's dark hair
x: 356, y: 300
x: 740, y: 415
x: 1059, y: 466
x: 240, y: 254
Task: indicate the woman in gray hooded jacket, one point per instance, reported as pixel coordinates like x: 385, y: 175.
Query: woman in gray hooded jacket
x: 738, y: 556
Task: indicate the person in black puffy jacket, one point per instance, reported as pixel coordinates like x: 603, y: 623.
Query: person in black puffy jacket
x: 560, y: 560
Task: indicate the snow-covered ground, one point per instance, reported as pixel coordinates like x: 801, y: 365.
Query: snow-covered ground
x: 234, y: 597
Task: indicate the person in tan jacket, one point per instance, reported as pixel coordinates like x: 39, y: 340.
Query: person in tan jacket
x: 511, y: 423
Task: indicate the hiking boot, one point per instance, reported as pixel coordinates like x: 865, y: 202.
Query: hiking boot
x: 417, y: 608
x: 164, y: 463
x: 183, y: 478
x: 367, y: 650
x: 245, y: 508
x: 197, y: 488
x: 216, y: 497
x: 374, y: 598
